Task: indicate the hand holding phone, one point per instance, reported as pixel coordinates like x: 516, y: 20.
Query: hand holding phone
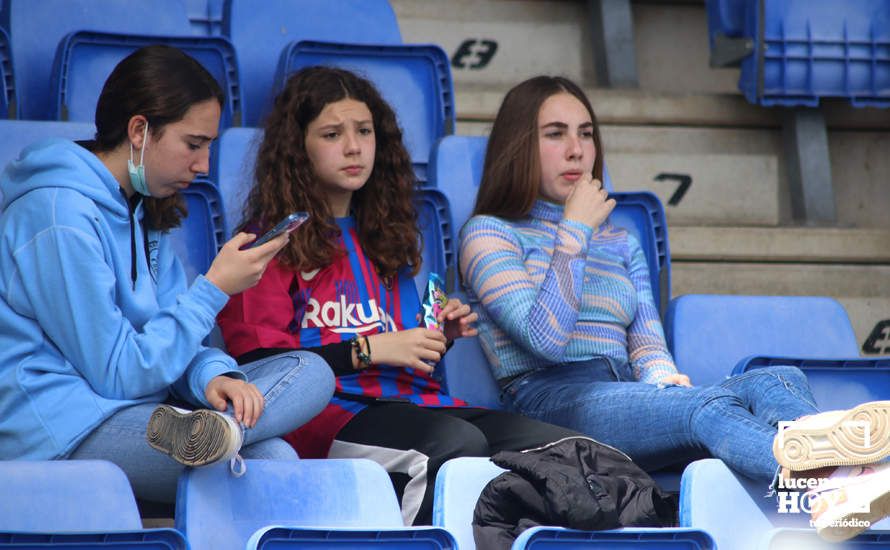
x: 286, y: 225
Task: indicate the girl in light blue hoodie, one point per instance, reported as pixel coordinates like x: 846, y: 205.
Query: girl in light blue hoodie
x: 99, y: 331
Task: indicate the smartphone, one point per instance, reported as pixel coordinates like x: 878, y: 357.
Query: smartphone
x: 286, y: 225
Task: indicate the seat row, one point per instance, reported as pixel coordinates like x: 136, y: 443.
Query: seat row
x: 337, y: 503
x: 251, y: 57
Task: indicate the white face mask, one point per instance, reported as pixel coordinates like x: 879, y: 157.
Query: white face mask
x: 137, y: 173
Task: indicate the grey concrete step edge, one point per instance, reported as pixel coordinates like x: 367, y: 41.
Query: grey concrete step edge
x: 780, y: 244
x: 639, y: 107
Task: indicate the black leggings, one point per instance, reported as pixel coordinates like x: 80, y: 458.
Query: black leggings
x: 413, y: 442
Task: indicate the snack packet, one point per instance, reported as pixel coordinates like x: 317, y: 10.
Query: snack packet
x: 434, y: 300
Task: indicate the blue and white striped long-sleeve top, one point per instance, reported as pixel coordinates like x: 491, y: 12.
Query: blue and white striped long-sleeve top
x: 551, y: 291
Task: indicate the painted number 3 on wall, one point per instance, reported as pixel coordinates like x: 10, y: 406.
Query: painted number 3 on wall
x: 474, y: 54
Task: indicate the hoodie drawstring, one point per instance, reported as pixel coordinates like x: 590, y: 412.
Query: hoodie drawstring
x: 133, y: 203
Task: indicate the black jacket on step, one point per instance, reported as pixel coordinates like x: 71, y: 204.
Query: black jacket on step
x: 577, y: 483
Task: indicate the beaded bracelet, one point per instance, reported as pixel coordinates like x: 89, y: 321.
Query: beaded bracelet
x: 364, y: 358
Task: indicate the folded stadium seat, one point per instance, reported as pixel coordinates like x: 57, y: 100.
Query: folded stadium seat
x: 197, y: 240
x: 709, y: 334
x: 36, y: 28
x: 461, y: 480
x: 15, y: 135
x: 299, y: 504
x: 73, y: 504
x: 736, y: 512
x: 438, y: 254
x: 794, y: 52
x: 415, y: 79
x: 8, y: 100
x: 259, y: 36
x: 85, y: 59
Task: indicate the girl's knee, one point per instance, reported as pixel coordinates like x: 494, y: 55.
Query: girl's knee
x: 318, y: 369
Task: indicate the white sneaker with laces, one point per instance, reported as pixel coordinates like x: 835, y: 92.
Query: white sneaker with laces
x: 856, y: 436
x: 195, y: 438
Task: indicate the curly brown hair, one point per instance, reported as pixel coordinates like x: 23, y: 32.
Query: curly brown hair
x: 386, y: 218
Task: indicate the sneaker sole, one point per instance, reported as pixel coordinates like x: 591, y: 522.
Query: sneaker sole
x: 879, y: 508
x: 840, y: 444
x: 192, y: 438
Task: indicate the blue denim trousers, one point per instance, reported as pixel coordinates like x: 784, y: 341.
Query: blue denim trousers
x: 656, y: 425
x: 296, y: 386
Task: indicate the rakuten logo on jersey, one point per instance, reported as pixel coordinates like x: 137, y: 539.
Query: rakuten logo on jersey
x: 341, y: 316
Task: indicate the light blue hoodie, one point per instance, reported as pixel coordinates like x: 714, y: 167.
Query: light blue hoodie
x: 79, y: 338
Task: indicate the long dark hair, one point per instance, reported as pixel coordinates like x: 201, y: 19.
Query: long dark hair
x: 386, y: 219
x: 511, y: 177
x: 160, y: 83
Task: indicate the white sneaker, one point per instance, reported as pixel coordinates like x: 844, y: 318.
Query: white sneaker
x: 860, y: 435
x: 852, y: 500
x: 194, y: 438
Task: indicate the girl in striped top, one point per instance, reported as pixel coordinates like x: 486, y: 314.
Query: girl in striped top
x: 566, y: 314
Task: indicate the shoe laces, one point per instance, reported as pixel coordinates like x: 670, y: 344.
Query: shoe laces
x: 237, y: 466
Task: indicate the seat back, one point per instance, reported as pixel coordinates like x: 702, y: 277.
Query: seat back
x: 739, y: 516
x: 217, y: 510
x: 36, y: 28
x: 260, y: 35
x: 234, y: 169
x: 438, y: 254
x: 8, y: 92
x: 458, y: 485
x: 414, y: 79
x: 201, y: 234
x: 66, y: 495
x: 15, y: 135
x: 835, y: 383
x: 143, y: 539
x: 85, y: 59
x: 795, y: 52
x: 407, y: 538
x: 709, y: 334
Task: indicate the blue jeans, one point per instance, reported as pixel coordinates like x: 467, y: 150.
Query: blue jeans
x: 296, y: 386
x: 735, y: 420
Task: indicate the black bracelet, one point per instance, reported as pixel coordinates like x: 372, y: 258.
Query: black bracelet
x: 363, y: 358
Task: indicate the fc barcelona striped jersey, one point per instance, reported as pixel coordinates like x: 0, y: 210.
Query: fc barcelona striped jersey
x: 303, y: 309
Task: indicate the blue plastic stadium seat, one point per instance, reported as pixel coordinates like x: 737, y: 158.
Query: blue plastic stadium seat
x: 85, y: 59
x: 545, y: 538
x: 803, y: 50
x: 201, y: 234
x: 260, y: 35
x: 36, y: 28
x: 217, y: 510
x: 143, y: 539
x: 73, y: 504
x: 205, y: 17
x: 414, y: 79
x: 836, y: 383
x: 438, y: 254
x: 8, y: 95
x: 460, y: 481
x: 736, y: 512
x: 709, y: 334
x: 234, y: 171
x: 15, y: 135
x: 408, y: 538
